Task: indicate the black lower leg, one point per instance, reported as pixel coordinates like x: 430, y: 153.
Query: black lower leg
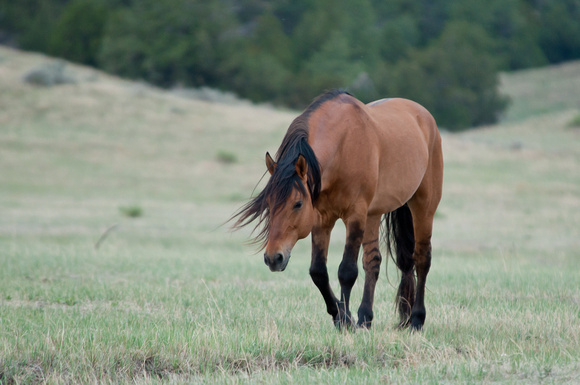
x: 423, y: 264
x: 319, y: 275
x: 406, y: 297
x: 347, y: 274
x: 372, y: 266
x: 318, y: 270
x: 418, y: 314
x: 348, y: 271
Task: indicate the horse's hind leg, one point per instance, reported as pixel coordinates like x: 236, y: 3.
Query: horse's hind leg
x: 372, y: 265
x: 422, y: 260
x: 423, y: 206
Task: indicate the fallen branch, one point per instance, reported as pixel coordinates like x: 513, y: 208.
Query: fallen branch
x: 105, y: 234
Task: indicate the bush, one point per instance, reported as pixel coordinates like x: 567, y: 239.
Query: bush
x: 560, y: 29
x: 226, y: 157
x: 575, y: 122
x: 455, y: 78
x: 262, y: 78
x: 49, y: 74
x: 78, y: 33
x: 131, y: 211
x: 172, y: 42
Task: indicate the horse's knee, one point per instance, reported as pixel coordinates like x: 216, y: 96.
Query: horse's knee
x: 347, y: 273
x: 319, y: 274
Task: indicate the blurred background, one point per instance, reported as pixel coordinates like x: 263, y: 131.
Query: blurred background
x: 445, y: 54
x: 131, y: 130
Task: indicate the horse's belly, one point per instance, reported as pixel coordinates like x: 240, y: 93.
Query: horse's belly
x: 398, y: 182
x: 393, y: 197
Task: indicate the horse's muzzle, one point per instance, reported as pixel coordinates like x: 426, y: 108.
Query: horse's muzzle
x: 276, y: 262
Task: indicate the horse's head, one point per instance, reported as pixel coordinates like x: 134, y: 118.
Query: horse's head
x: 284, y: 209
x: 291, y: 214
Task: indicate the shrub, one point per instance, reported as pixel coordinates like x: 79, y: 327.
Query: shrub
x: 575, y: 122
x: 226, y: 157
x: 49, y: 74
x: 132, y: 211
x: 77, y: 35
x: 455, y: 78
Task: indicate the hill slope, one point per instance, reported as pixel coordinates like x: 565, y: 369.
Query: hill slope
x: 103, y: 143
x: 542, y: 90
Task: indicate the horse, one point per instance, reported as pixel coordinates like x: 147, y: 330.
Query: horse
x: 376, y: 166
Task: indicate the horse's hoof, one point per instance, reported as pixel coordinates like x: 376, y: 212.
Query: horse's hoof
x: 364, y: 324
x: 365, y: 318
x: 344, y: 326
x: 344, y: 322
x: 404, y: 323
x: 415, y: 328
x: 417, y: 320
x: 415, y: 325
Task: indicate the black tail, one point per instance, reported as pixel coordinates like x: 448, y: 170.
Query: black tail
x: 400, y: 240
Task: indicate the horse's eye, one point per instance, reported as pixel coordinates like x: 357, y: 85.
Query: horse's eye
x: 298, y: 205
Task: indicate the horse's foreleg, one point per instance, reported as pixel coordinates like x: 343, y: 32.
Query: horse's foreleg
x: 371, y: 265
x: 318, y: 271
x: 348, y: 270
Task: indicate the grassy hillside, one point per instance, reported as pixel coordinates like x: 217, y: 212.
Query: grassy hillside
x: 171, y: 296
x: 535, y: 92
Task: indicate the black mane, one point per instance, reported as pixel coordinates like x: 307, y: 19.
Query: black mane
x: 285, y: 179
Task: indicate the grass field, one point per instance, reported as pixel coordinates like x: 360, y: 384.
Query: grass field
x: 115, y: 266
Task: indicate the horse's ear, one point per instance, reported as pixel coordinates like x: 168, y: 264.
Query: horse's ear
x: 270, y: 163
x: 301, y: 167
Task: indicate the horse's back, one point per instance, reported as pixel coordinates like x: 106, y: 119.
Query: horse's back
x: 398, y: 114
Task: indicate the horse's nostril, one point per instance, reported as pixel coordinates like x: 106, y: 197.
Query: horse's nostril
x: 279, y: 258
x: 274, y: 261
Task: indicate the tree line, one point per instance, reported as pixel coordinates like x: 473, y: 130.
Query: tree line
x: 445, y: 54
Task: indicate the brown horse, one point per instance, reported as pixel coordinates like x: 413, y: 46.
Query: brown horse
x: 364, y: 164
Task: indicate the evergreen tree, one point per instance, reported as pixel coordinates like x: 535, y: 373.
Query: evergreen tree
x: 169, y: 42
x: 455, y: 78
x: 560, y: 29
x: 261, y: 71
x: 78, y: 33
x: 509, y: 24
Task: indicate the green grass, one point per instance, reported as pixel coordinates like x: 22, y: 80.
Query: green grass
x: 173, y: 297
